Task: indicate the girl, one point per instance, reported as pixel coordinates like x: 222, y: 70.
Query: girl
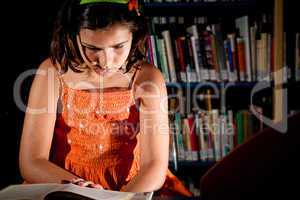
x: 105, y: 105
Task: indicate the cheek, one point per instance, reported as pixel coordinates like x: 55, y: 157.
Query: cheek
x: 91, y: 55
x: 121, y: 56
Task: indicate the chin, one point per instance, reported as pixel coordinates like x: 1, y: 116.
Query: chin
x: 103, y: 72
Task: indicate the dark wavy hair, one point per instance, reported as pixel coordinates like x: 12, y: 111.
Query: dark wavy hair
x: 73, y: 16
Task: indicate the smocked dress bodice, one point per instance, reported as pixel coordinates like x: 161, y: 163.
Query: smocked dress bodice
x: 96, y: 136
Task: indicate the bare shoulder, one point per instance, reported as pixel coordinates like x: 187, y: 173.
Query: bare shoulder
x: 46, y: 74
x: 48, y: 65
x: 150, y: 80
x: 47, y: 69
x: 44, y: 86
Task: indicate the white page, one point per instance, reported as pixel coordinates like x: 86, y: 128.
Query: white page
x: 39, y: 191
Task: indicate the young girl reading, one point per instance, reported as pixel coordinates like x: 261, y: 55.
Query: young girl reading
x: 97, y: 113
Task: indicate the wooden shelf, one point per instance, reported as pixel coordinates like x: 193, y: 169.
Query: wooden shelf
x: 207, y: 84
x: 192, y: 164
x: 211, y: 84
x: 204, y: 8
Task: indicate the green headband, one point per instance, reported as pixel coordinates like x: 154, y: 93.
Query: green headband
x: 132, y: 4
x: 83, y: 2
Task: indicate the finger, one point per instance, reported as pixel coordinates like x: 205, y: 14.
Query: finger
x: 98, y: 186
x: 77, y: 180
x: 85, y: 183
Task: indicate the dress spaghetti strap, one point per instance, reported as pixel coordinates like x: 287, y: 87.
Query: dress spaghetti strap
x: 63, y: 84
x: 133, y: 79
x: 59, y: 75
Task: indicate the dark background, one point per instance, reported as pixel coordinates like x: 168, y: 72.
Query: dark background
x: 25, y: 36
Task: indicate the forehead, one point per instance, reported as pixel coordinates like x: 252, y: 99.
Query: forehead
x: 107, y: 35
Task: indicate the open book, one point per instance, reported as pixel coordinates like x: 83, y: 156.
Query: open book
x: 54, y: 191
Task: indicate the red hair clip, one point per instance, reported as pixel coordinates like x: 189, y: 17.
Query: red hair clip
x: 134, y: 5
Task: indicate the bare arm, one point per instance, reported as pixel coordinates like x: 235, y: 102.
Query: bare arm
x: 38, y: 129
x: 154, y: 134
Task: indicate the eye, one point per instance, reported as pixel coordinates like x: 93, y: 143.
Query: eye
x: 119, y: 46
x: 91, y: 49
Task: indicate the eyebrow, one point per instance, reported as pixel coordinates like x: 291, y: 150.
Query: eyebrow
x: 95, y: 47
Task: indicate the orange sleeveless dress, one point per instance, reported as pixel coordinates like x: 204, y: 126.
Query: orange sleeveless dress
x: 96, y: 137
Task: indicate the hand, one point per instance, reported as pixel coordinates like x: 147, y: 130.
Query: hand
x: 83, y: 183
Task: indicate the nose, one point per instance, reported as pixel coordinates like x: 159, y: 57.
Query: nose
x: 105, y: 58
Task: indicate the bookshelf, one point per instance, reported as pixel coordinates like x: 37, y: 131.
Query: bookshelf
x: 203, y: 8
x: 227, y: 96
x: 207, y: 84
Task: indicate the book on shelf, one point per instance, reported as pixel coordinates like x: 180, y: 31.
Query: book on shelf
x: 55, y: 191
x: 169, y: 52
x: 220, y: 51
x: 210, y: 134
x: 214, y: 135
x: 195, y: 50
x: 195, y: 46
x: 231, y: 57
x: 242, y: 24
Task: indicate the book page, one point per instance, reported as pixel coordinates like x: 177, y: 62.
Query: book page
x: 40, y: 191
x: 97, y: 193
x: 28, y: 191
